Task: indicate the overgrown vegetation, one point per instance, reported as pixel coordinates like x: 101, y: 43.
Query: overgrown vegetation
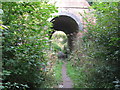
x: 30, y: 62
x: 59, y: 41
x: 57, y: 72
x: 97, y: 53
x: 25, y: 44
x: 76, y: 75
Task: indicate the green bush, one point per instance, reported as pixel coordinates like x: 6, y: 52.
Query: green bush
x: 56, y: 47
x: 59, y: 41
x: 97, y: 54
x: 25, y: 39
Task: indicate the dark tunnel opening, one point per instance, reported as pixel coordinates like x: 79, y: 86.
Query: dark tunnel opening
x: 65, y: 24
x: 68, y: 25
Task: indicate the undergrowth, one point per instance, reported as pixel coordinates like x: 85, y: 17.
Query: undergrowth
x: 77, y: 76
x: 57, y: 72
x: 96, y: 59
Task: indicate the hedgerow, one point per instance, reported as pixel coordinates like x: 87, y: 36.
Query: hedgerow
x: 25, y: 30
x: 97, y: 53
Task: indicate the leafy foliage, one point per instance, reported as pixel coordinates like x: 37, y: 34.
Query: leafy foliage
x: 59, y: 41
x: 25, y: 39
x: 98, y: 52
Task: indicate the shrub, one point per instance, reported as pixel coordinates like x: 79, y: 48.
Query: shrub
x: 25, y: 40
x: 97, y: 53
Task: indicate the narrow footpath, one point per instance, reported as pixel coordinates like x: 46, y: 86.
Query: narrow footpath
x: 67, y: 82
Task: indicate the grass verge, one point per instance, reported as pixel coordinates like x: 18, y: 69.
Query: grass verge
x: 76, y: 76
x: 57, y: 72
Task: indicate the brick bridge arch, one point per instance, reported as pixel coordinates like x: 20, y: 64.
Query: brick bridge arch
x: 69, y: 24
x: 68, y: 18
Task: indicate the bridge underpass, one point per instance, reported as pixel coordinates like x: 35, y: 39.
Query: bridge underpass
x: 69, y: 18
x: 68, y: 25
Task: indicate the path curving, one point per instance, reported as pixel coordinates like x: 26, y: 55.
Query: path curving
x: 67, y: 82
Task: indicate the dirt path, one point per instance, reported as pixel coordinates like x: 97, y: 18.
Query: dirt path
x: 67, y: 83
